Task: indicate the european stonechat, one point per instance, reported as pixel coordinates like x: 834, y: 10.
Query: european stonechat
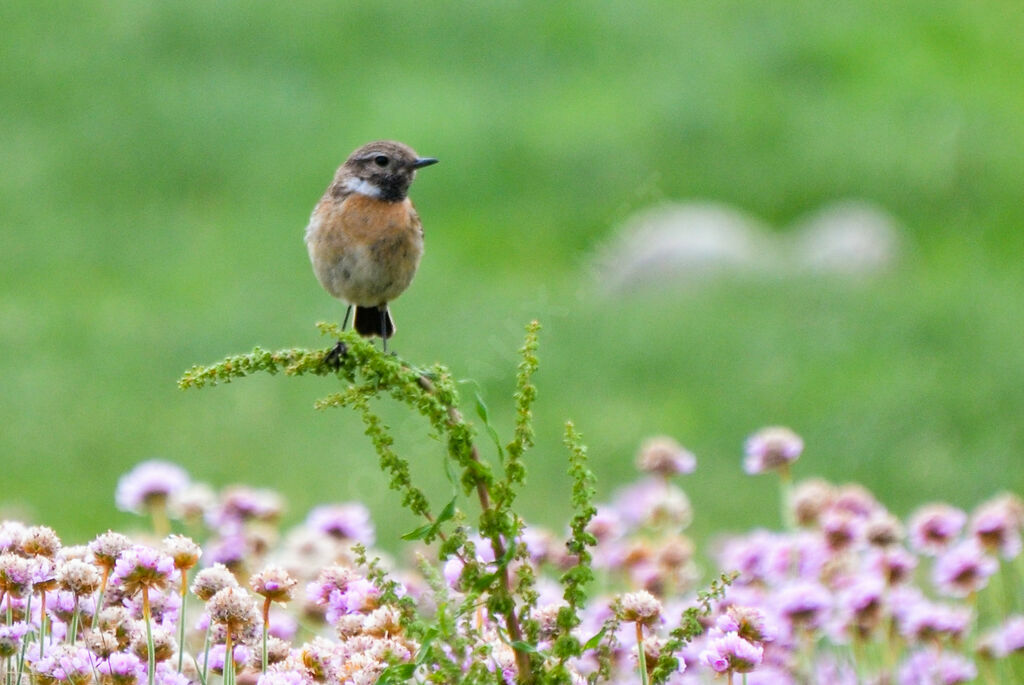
x: 365, y: 238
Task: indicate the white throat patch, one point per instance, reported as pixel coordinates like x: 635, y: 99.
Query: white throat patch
x: 363, y: 187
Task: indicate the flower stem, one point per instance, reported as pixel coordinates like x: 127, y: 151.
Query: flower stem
x: 641, y: 657
x: 206, y: 652
x: 151, y: 663
x: 42, y: 622
x: 24, y: 643
x: 73, y: 629
x: 785, y: 489
x: 181, y: 620
x: 266, y: 627
x: 229, y: 660
x: 99, y: 599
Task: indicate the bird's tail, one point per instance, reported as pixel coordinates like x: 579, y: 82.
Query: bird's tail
x: 371, y: 321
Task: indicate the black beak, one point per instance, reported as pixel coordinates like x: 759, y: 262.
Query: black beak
x: 423, y: 161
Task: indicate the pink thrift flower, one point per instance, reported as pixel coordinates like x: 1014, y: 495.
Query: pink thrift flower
x: 963, y: 570
x: 934, y: 527
x: 996, y: 525
x: 349, y: 522
x: 771, y: 449
x: 731, y: 652
x: 932, y: 667
x: 149, y: 482
x: 140, y: 567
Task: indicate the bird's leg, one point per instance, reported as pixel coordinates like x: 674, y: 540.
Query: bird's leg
x: 384, y: 327
x: 333, y: 357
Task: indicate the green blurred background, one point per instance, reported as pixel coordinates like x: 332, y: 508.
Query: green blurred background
x: 158, y: 163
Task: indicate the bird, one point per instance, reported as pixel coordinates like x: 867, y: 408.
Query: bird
x: 365, y: 238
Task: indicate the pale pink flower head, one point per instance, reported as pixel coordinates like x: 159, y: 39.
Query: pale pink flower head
x: 963, y: 569
x: 665, y: 457
x: 143, y: 567
x: 349, y: 522
x: 656, y: 503
x: 731, y: 653
x: 771, y: 449
x: 927, y: 622
x: 149, y: 483
x: 934, y: 527
x: 935, y: 667
x: 1009, y: 637
x: 803, y: 605
x: 996, y: 525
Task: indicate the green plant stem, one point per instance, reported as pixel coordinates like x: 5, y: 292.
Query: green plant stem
x: 229, y: 659
x: 73, y: 629
x: 785, y: 492
x: 24, y: 643
x: 206, y: 653
x: 42, y: 622
x: 151, y: 660
x: 641, y: 657
x: 99, y: 598
x: 266, y: 628
x: 181, y: 620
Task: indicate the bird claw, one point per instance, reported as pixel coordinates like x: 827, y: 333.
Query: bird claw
x: 333, y: 357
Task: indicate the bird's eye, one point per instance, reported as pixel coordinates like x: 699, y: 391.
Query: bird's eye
x: 380, y: 160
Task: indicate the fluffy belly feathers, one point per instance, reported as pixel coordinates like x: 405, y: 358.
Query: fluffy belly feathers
x: 364, y: 251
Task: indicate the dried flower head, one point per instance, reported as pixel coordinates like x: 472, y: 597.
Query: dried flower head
x: 233, y: 608
x: 106, y: 548
x: 809, y: 499
x: 277, y: 651
x: 11, y: 534
x: 164, y: 644
x: 183, y: 551
x: 274, y: 583
x: 385, y: 621
x: 665, y: 457
x: 117, y: 621
x: 102, y: 643
x: 78, y: 577
x: 771, y: 449
x: 210, y: 581
x: 639, y: 607
x: 40, y: 541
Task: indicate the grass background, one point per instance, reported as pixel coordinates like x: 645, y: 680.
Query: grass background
x: 158, y: 162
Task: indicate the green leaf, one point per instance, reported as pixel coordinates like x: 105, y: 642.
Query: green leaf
x: 485, y: 416
x: 484, y: 582
x: 593, y: 642
x: 431, y: 529
x: 418, y: 533
x: 398, y: 673
x: 521, y: 646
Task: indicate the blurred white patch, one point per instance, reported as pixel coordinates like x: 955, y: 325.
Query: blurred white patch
x: 682, y: 244
x: 849, y: 237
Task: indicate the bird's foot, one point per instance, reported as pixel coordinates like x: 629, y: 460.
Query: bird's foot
x: 333, y: 357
